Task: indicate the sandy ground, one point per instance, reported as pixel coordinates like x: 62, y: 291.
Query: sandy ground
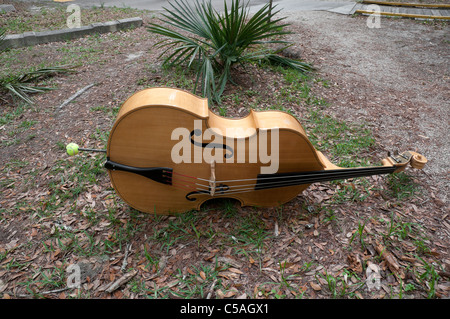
x: 395, y: 77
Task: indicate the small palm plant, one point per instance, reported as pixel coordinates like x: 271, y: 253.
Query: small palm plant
x: 212, y: 43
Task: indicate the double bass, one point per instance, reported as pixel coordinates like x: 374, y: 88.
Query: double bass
x: 168, y: 153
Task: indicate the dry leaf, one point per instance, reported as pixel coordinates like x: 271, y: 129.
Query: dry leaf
x: 3, y: 285
x: 237, y: 271
x: 220, y: 294
x: 315, y: 286
x: 122, y: 280
x: 190, y: 271
x: 230, y: 261
x: 322, y: 281
x: 228, y: 275
x: 231, y: 293
x: 408, y: 259
x: 319, y: 246
x: 391, y: 261
x: 355, y: 262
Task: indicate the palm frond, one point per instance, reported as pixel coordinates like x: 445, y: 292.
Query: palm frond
x: 18, y: 92
x: 21, y: 86
x: 2, y: 39
x: 275, y: 59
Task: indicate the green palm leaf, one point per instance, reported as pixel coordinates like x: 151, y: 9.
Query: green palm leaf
x: 2, y: 39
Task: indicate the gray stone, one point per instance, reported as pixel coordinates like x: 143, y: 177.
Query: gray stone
x: 111, y: 26
x: 7, y: 8
x: 130, y: 23
x: 13, y: 41
x: 100, y: 27
x: 75, y: 33
x: 29, y: 38
x: 33, y: 38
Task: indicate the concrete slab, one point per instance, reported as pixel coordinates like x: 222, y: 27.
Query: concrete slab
x: 345, y: 9
x: 157, y: 5
x: 34, y: 38
x: 7, y: 8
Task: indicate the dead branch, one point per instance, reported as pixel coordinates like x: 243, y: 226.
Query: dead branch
x: 122, y: 280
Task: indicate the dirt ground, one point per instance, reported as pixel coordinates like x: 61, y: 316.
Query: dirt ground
x: 395, y: 79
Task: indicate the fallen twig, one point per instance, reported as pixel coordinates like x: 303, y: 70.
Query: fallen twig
x: 43, y: 292
x: 211, y: 289
x: 390, y: 260
x: 77, y: 94
x: 125, y: 262
x: 122, y: 280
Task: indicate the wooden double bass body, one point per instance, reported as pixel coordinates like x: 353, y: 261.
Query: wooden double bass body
x: 168, y: 153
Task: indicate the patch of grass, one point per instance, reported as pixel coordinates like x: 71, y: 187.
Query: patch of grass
x: 88, y: 50
x: 401, y: 186
x: 71, y: 177
x: 10, y: 115
x: 356, y: 190
x: 332, y: 284
x: 340, y: 139
x: 197, y: 282
x: 360, y: 232
x: 249, y: 236
x: 400, y: 230
x: 429, y: 277
x: 177, y: 76
x: 44, y: 279
x: 182, y: 228
x: 229, y: 209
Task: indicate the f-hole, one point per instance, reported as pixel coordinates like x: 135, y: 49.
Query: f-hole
x: 198, y: 132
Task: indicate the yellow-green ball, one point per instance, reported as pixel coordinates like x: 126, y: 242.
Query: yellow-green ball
x: 72, y: 149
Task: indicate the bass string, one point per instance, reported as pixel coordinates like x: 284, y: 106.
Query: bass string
x: 183, y: 187
x: 311, y: 178
x: 343, y: 172
x: 244, y: 188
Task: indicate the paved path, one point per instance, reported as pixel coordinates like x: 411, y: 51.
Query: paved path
x: 406, y: 11
x: 339, y: 6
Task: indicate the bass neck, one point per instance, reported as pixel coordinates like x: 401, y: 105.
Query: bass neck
x: 267, y: 181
